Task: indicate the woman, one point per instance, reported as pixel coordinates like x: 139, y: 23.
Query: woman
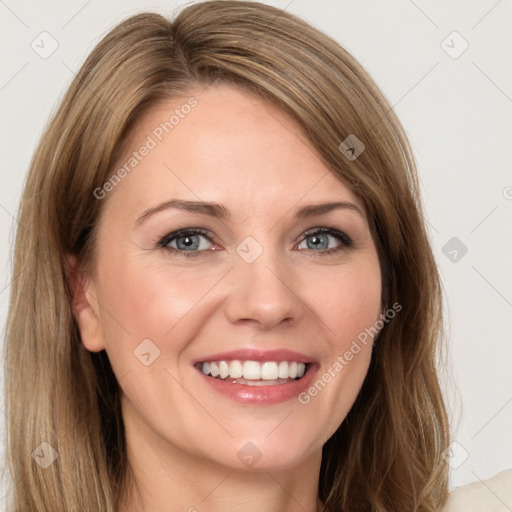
x: 283, y: 355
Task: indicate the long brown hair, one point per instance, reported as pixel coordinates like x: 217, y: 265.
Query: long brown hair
x: 387, y: 453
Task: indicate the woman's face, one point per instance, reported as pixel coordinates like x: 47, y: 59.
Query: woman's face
x: 251, y: 279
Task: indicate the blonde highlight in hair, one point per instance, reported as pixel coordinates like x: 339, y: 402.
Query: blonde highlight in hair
x: 386, y: 455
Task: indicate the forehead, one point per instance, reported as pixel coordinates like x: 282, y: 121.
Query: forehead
x: 224, y: 145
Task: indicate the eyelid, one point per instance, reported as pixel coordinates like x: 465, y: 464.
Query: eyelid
x: 330, y: 231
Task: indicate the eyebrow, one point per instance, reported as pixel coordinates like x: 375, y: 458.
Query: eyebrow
x: 219, y: 211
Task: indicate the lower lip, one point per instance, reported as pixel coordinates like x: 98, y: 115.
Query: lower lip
x: 262, y: 395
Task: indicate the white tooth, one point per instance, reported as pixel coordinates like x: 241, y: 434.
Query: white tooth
x: 261, y: 383
x: 235, y: 369
x: 252, y: 370
x: 223, y: 369
x: 214, y: 369
x: 269, y: 370
x: 283, y: 370
x: 255, y: 383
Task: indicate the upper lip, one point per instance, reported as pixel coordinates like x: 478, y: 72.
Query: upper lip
x: 253, y: 354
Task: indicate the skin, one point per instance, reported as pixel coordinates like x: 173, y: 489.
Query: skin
x: 182, y: 436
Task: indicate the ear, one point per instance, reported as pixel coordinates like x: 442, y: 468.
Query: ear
x: 85, y: 306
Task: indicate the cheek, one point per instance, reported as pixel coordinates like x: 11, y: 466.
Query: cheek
x: 152, y: 316
x: 152, y: 302
x: 348, y: 300
x: 351, y: 310
x: 348, y: 303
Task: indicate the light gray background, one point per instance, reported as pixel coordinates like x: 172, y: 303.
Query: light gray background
x: 456, y: 110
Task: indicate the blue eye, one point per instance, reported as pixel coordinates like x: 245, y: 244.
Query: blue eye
x: 188, y: 241
x: 320, y: 239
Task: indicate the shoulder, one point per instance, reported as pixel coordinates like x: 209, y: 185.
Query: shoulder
x: 492, y: 495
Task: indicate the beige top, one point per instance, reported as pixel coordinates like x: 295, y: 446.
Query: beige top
x: 492, y: 495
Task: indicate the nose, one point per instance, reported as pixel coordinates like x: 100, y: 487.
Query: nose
x: 263, y: 292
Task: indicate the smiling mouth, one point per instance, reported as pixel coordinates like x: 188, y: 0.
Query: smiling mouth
x: 254, y: 373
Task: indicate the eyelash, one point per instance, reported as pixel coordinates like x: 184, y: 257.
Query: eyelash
x: 346, y: 241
